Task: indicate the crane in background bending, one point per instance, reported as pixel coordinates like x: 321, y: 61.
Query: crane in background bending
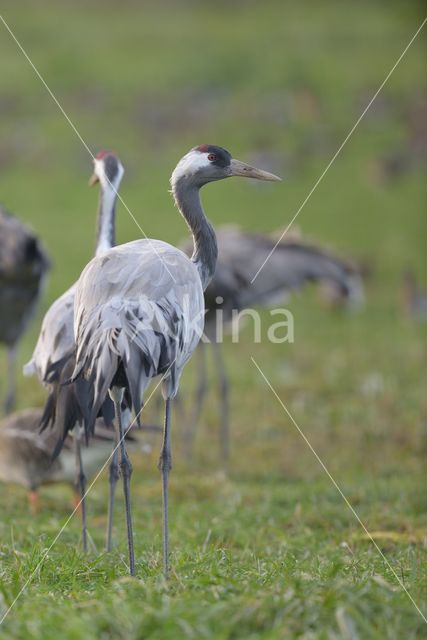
x: 289, y: 267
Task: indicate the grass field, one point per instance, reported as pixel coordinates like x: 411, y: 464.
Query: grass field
x: 269, y: 550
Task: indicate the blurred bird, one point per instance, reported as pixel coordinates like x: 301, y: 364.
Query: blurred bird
x: 23, y: 268
x: 290, y: 266
x: 54, y: 355
x: 334, y: 297
x: 411, y: 154
x: 414, y: 299
x: 26, y: 455
x: 139, y: 312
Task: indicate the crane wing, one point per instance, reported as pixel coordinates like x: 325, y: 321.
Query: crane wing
x: 139, y: 312
x: 55, y: 343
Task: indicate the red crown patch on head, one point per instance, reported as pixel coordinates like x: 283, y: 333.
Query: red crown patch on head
x: 102, y: 154
x: 204, y: 148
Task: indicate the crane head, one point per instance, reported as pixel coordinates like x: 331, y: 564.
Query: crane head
x: 208, y: 163
x: 107, y: 169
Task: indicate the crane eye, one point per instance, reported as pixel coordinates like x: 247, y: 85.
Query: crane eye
x: 211, y: 157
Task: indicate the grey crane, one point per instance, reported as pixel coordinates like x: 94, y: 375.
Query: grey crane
x: 139, y: 313
x: 54, y: 355
x: 23, y: 268
x: 292, y: 264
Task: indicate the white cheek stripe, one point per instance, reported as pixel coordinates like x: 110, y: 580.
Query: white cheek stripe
x: 191, y: 162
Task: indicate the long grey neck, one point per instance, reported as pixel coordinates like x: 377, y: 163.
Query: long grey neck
x: 106, y: 221
x: 205, y: 253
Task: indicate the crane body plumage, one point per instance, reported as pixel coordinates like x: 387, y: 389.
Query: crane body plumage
x: 55, y: 343
x: 140, y: 305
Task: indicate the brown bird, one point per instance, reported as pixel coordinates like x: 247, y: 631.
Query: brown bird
x: 26, y: 455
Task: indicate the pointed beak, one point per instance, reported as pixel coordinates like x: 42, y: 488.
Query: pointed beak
x: 93, y: 180
x: 238, y: 168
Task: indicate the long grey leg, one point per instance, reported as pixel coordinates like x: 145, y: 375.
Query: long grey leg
x: 200, y: 395
x: 9, y: 401
x: 179, y: 409
x: 80, y: 483
x: 116, y: 395
x: 224, y: 389
x: 165, y: 465
x: 112, y: 479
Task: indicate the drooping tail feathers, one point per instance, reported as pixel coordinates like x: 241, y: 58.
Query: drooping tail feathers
x: 124, y: 344
x: 67, y: 404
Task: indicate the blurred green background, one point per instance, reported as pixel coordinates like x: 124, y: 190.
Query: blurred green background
x: 279, y: 84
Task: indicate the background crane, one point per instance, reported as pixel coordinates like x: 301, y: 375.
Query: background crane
x: 293, y: 264
x: 54, y: 355
x: 23, y: 267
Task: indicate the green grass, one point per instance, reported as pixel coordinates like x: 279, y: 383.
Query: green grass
x: 270, y: 550
x: 251, y: 559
